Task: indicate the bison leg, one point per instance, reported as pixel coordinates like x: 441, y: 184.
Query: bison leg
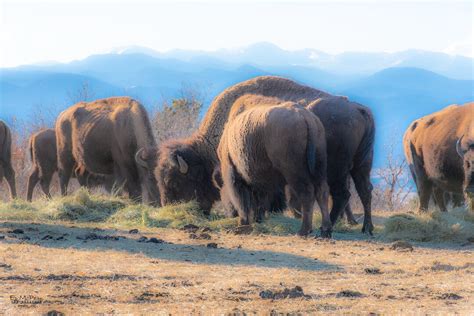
x: 351, y: 220
x: 340, y: 198
x: 425, y: 188
x: 303, y: 192
x: 9, y: 174
x: 45, y: 182
x: 438, y: 195
x: 364, y: 187
x: 32, y: 181
x: 65, y: 169
x: 322, y: 196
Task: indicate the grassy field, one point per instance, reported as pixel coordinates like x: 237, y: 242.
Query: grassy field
x: 90, y: 254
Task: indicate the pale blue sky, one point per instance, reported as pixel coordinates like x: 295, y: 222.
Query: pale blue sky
x: 36, y: 31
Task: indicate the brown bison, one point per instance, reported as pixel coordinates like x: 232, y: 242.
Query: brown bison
x: 108, y: 137
x: 185, y: 166
x: 43, y: 152
x: 439, y: 149
x: 257, y: 154
x: 6, y: 168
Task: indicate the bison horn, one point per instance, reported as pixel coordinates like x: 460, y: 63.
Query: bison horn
x: 139, y: 159
x: 183, y: 166
x: 458, y: 147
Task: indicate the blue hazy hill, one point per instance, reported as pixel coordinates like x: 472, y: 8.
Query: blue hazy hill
x: 397, y: 95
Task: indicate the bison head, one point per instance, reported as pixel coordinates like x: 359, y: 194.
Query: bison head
x: 465, y: 149
x: 146, y: 164
x: 184, y: 174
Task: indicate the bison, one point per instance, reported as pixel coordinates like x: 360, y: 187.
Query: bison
x: 257, y: 154
x: 185, y: 166
x: 439, y: 149
x: 110, y: 136
x: 6, y: 168
x: 42, y: 146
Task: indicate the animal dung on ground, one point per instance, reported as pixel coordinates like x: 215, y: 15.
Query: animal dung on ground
x: 295, y: 292
x: 401, y: 245
x: 350, y: 294
x: 211, y: 245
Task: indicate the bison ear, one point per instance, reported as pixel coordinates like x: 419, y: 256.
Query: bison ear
x: 140, y: 158
x: 217, y: 178
x: 458, y: 147
x: 183, y: 165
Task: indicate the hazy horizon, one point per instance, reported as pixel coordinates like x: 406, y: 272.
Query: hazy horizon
x: 63, y: 31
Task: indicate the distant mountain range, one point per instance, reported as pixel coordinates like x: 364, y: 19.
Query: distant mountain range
x: 398, y: 87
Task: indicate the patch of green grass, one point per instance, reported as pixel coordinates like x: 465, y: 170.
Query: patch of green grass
x: 83, y: 207
x: 455, y: 225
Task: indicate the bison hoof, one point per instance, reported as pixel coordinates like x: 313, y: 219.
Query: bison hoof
x: 352, y: 222
x: 326, y: 233
x: 368, y: 229
x: 304, y: 232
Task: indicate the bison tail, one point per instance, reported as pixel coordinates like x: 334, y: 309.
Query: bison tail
x: 7, y: 144
x: 311, y: 145
x: 365, y: 151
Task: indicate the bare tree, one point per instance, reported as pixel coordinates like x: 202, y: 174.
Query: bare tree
x: 179, y: 117
x: 394, y: 185
x: 83, y: 93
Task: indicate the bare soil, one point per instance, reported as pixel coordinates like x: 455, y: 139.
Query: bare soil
x: 97, y: 270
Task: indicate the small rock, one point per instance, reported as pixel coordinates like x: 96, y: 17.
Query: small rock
x: 450, y: 296
x: 54, y: 313
x: 155, y: 240
x: 190, y: 228
x: 401, y: 245
x: 2, y: 237
x: 211, y: 245
x: 349, y: 293
x: 242, y: 230
x: 372, y: 271
x: 24, y: 238
x: 133, y: 231
x: 142, y: 239
x: 295, y: 292
x: 200, y: 236
x: 60, y: 238
x: 47, y: 237
x: 17, y: 231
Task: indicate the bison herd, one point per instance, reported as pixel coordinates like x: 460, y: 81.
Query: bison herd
x: 264, y: 144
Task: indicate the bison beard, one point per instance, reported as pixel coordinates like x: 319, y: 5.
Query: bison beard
x: 257, y: 154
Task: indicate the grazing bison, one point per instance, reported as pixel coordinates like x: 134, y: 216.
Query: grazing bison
x: 257, y: 154
x: 43, y: 152
x: 185, y: 166
x: 6, y: 168
x: 439, y: 149
x: 108, y: 137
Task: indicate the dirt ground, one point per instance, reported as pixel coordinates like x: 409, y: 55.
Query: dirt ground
x: 86, y: 270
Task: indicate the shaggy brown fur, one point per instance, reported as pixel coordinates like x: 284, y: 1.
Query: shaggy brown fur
x: 6, y: 168
x: 440, y: 152
x: 197, y: 154
x: 257, y: 154
x: 43, y: 152
x: 199, y: 151
x: 108, y: 137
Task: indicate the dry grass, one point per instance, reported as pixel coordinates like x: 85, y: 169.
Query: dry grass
x: 76, y: 255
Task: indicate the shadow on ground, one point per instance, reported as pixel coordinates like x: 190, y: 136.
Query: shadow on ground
x: 63, y: 237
